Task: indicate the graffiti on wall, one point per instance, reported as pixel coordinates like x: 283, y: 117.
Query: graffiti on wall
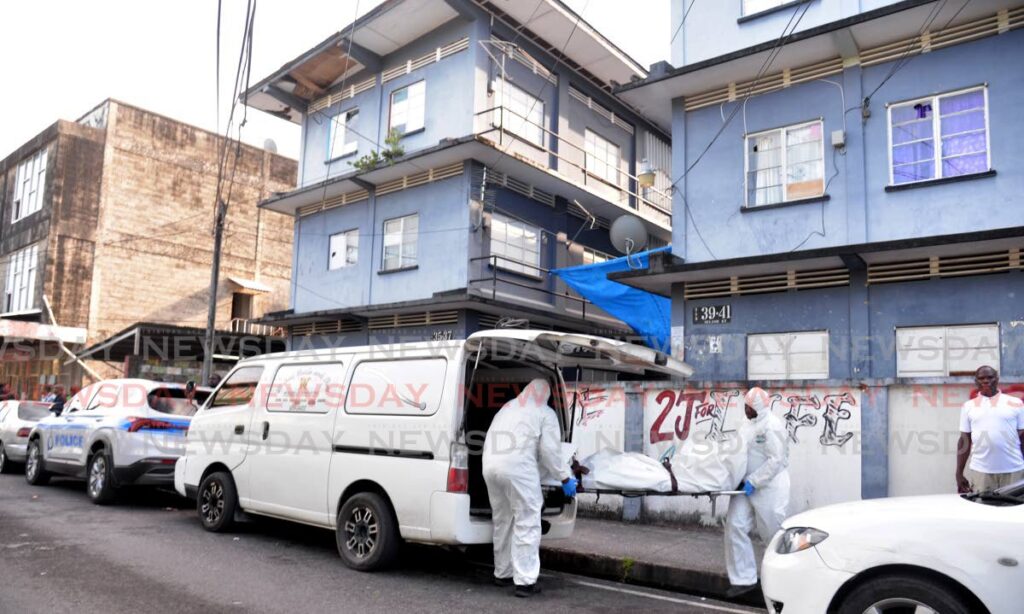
x: 590, y: 403
x: 799, y: 411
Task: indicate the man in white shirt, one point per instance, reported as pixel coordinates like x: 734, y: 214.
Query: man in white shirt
x: 991, y: 435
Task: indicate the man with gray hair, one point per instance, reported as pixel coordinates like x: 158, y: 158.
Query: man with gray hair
x: 991, y: 436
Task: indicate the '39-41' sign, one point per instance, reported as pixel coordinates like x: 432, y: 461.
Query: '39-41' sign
x: 712, y: 314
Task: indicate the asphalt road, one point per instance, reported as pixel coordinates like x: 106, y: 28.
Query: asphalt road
x: 147, y: 552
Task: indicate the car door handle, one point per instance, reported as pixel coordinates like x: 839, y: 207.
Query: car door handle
x: 266, y: 430
x: 239, y: 429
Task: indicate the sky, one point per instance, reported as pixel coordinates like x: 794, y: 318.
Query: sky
x: 63, y: 57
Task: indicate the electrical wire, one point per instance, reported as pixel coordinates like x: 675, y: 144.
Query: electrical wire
x: 773, y: 53
x: 680, y: 27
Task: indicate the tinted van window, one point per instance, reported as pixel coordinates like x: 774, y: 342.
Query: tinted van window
x: 238, y: 389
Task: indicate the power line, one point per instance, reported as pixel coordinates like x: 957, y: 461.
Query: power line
x: 685, y: 13
x: 775, y: 51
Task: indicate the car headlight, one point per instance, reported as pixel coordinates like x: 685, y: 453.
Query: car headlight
x: 799, y: 538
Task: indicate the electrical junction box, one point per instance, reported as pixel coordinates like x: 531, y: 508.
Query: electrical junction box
x: 838, y: 138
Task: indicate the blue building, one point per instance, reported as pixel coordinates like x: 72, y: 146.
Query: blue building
x: 848, y: 189
x: 453, y: 154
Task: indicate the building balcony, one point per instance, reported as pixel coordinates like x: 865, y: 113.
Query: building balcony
x: 531, y: 143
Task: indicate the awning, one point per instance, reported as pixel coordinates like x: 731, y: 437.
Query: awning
x: 20, y: 329
x: 250, y: 286
x: 648, y: 314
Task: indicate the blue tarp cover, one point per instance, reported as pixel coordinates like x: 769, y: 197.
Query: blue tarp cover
x: 648, y: 314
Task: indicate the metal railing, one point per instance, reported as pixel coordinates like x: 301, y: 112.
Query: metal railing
x: 657, y: 208
x: 244, y: 326
x: 495, y: 278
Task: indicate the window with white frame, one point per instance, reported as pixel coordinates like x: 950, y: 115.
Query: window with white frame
x: 602, y: 157
x: 29, y: 185
x: 344, y: 249
x: 519, y: 113
x: 400, y: 242
x: 593, y: 256
x: 517, y: 243
x: 939, y: 351
x: 21, y: 279
x: 785, y: 164
x: 802, y: 355
x: 751, y: 7
x: 939, y: 136
x: 339, y: 143
x: 407, y: 108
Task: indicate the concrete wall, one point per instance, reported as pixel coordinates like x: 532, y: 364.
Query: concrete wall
x: 715, y: 28
x: 859, y: 208
x: 155, y: 220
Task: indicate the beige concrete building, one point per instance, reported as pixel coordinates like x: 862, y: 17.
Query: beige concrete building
x: 110, y: 218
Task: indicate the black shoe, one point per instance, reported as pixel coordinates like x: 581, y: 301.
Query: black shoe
x: 527, y: 590
x: 739, y: 590
x: 503, y: 581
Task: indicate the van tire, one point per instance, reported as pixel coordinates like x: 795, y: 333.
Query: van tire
x: 5, y: 463
x: 99, y: 476
x: 35, y: 473
x: 367, y: 532
x: 216, y: 502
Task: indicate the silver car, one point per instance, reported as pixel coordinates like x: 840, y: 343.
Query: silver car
x: 16, y: 421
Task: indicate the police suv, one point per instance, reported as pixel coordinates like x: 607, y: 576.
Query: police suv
x: 115, y: 433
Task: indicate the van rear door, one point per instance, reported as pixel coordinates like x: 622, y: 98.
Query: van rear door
x: 584, y: 351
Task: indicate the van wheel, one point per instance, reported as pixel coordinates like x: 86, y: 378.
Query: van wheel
x: 367, y: 532
x: 903, y: 593
x: 216, y: 502
x: 5, y: 463
x: 34, y: 472
x: 100, y: 478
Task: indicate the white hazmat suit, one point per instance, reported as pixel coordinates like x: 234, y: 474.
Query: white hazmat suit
x: 767, y: 462
x: 523, y: 445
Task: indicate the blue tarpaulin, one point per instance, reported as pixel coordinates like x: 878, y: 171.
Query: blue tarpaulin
x: 648, y: 314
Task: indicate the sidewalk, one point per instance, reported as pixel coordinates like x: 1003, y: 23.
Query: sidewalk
x: 690, y: 559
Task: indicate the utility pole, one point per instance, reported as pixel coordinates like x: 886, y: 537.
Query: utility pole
x: 211, y: 317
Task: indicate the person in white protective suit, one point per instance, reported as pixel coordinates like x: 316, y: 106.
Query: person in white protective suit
x: 766, y: 490
x: 523, y: 445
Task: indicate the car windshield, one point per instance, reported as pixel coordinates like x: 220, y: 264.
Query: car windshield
x: 173, y: 401
x: 33, y: 412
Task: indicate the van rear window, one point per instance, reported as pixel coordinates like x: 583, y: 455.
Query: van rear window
x: 33, y: 412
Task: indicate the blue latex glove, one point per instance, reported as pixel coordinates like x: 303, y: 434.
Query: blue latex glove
x: 569, y: 488
x: 748, y: 488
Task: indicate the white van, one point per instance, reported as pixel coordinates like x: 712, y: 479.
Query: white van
x: 382, y: 444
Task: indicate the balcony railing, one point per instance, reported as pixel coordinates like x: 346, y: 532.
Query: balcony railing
x: 243, y: 326
x: 499, y: 276
x: 509, y: 126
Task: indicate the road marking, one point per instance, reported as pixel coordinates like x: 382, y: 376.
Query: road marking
x: 709, y: 606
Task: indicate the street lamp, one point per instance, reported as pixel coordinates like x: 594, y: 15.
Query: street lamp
x: 646, y: 175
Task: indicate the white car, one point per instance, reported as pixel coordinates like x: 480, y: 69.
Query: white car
x: 114, y: 433
x: 944, y: 554
x: 16, y: 421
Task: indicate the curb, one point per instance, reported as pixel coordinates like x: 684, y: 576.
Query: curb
x: 629, y: 571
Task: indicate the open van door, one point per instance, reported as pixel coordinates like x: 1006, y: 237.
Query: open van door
x: 584, y: 351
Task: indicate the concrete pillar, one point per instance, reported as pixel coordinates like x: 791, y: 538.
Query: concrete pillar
x: 633, y: 441
x: 854, y: 162
x: 860, y: 327
x: 678, y: 168
x: 874, y: 442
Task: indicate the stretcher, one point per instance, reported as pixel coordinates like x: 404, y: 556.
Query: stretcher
x: 713, y: 495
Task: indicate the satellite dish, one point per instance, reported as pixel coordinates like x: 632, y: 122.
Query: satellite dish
x: 270, y: 145
x: 628, y: 234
